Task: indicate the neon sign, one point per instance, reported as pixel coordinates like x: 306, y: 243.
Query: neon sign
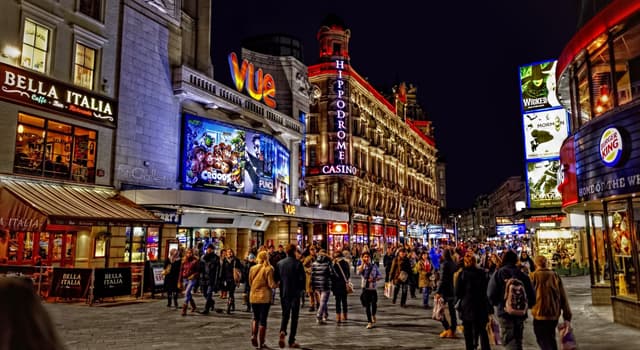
x: 261, y: 87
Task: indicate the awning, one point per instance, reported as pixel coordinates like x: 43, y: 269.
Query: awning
x: 30, y: 205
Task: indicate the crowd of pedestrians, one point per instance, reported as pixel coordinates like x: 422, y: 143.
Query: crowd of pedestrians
x: 475, y: 286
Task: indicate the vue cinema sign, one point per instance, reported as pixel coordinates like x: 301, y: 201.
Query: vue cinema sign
x: 261, y: 87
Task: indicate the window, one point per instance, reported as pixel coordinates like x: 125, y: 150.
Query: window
x: 55, y: 150
x: 90, y: 8
x: 134, y: 247
x: 312, y: 128
x: 35, y: 46
x: 583, y: 93
x: 313, y: 158
x: 601, y: 88
x: 626, y: 49
x: 84, y: 66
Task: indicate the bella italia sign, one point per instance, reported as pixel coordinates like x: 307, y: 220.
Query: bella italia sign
x: 38, y: 91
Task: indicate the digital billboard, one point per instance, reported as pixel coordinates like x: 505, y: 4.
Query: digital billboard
x: 538, y: 86
x: 233, y: 159
x: 515, y: 229
x: 542, y: 181
x: 544, y: 132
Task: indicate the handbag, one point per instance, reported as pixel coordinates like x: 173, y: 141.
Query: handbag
x: 438, y: 309
x: 567, y: 339
x: 347, y: 283
x: 388, y: 290
x: 403, y: 276
x: 493, y: 331
x: 237, y: 275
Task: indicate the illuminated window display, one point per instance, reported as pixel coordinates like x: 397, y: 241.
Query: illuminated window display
x: 624, y: 272
x: 558, y: 246
x: 597, y: 245
x: 54, y: 150
x: 134, y: 250
x: 57, y: 248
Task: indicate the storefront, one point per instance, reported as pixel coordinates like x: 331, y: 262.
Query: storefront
x: 65, y: 225
x: 338, y: 236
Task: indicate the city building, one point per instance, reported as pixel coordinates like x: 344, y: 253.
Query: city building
x: 59, y: 101
x: 598, y: 77
x: 363, y: 156
x: 221, y: 164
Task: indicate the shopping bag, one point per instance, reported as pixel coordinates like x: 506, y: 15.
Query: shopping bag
x: 388, y: 290
x: 567, y: 339
x: 439, y: 306
x: 493, y: 330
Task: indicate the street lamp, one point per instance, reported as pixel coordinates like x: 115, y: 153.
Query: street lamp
x: 455, y: 226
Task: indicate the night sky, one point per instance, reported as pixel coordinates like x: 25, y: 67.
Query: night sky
x: 462, y: 55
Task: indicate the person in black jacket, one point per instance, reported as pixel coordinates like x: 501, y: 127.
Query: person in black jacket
x: 445, y: 290
x: 339, y: 285
x: 473, y: 304
x: 228, y: 278
x: 171, y: 274
x: 248, y: 264
x: 321, y: 276
x: 290, y: 275
x: 210, y: 270
x: 511, y: 327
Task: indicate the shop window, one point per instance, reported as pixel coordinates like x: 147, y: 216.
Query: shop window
x: 35, y: 46
x: 134, y: 248
x: 598, y: 252
x: 90, y: 8
x: 84, y: 66
x: 620, y: 238
x: 153, y: 237
x: 627, y: 55
x: 54, y: 150
x: 583, y: 95
x: 27, y: 248
x: 601, y: 88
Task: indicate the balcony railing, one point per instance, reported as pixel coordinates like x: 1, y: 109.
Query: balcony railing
x: 198, y: 87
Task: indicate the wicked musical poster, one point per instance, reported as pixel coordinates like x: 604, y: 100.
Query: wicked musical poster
x: 538, y: 86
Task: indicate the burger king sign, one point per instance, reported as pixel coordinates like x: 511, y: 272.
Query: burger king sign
x: 611, y: 146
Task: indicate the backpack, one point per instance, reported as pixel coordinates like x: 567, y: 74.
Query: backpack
x: 515, y: 297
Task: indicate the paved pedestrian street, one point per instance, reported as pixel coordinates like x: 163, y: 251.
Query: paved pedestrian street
x: 150, y: 324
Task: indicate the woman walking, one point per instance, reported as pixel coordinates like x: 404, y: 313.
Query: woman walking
x: 339, y: 285
x: 171, y: 276
x: 231, y: 275
x: 445, y: 290
x: 369, y: 297
x: 189, y: 275
x: 400, y: 274
x: 424, y: 278
x: 474, y: 306
x: 262, y: 285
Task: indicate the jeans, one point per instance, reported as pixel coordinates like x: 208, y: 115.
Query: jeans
x: 425, y: 296
x: 453, y: 313
x: 369, y: 299
x: 473, y: 330
x: 545, y: 331
x: 512, y: 331
x: 403, y: 299
x: 323, y: 309
x: 187, y: 291
x: 341, y: 303
x: 290, y: 309
x: 208, y: 296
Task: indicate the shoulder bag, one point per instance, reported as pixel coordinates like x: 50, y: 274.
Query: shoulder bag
x: 347, y: 283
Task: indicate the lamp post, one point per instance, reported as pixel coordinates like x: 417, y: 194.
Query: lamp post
x: 455, y: 226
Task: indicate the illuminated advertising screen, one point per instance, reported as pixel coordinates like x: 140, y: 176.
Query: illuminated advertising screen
x: 544, y: 132
x: 538, y: 86
x: 542, y: 184
x: 282, y: 173
x: 516, y: 229
x: 229, y: 158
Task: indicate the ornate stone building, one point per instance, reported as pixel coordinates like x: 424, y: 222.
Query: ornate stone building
x: 362, y: 156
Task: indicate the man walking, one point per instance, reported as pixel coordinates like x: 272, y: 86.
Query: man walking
x: 210, y: 267
x: 510, y: 280
x: 551, y: 301
x: 290, y: 275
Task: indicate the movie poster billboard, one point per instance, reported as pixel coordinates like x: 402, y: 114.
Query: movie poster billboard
x: 538, y: 86
x: 544, y: 132
x: 542, y: 184
x: 282, y: 174
x: 220, y: 156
